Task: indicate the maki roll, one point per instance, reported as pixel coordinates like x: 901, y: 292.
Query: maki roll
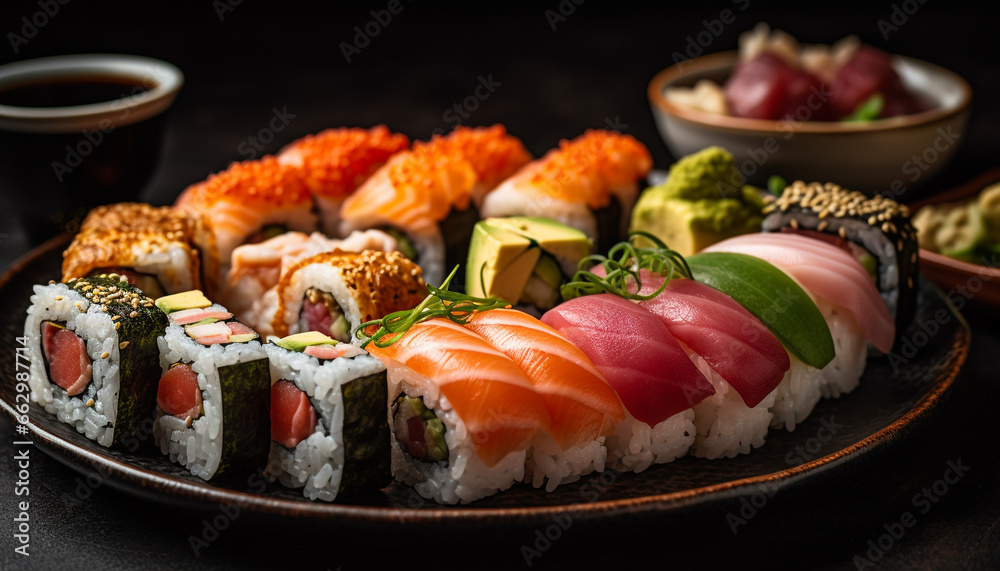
x: 428, y: 196
x: 152, y: 246
x: 334, y: 162
x: 92, y: 344
x: 329, y: 427
x: 248, y: 202
x: 589, y: 183
x: 335, y: 292
x: 876, y: 230
x: 213, y: 397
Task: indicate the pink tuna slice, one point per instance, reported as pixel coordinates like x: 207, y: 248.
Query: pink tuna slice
x: 293, y: 417
x: 186, y: 316
x: 731, y: 340
x: 66, y: 353
x: 317, y: 316
x: 826, y: 271
x: 635, y: 352
x: 178, y: 393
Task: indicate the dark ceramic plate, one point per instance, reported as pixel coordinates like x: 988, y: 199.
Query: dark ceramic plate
x: 896, y: 396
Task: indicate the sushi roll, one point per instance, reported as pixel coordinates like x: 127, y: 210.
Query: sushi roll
x: 248, y: 202
x: 329, y: 424
x: 589, y: 183
x: 251, y: 292
x: 463, y: 414
x: 583, y: 408
x: 427, y: 197
x: 151, y: 246
x: 213, y: 396
x: 877, y: 230
x: 656, y: 381
x: 335, y: 292
x: 334, y: 162
x: 92, y: 345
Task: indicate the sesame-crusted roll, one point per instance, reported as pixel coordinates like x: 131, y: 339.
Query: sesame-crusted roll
x: 334, y: 162
x: 248, y: 202
x: 335, y: 292
x: 877, y: 230
x: 152, y: 246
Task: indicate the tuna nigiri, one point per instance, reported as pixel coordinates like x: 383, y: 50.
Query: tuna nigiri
x: 656, y: 381
x: 582, y: 406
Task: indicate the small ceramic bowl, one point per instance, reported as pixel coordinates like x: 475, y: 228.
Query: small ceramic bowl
x: 80, y: 130
x: 964, y: 283
x: 893, y: 155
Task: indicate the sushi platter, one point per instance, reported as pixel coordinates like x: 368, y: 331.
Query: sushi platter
x: 287, y: 336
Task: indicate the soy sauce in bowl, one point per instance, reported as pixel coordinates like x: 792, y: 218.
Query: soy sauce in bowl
x: 70, y: 92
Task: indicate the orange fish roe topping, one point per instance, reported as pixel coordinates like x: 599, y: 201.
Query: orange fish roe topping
x: 334, y: 162
x: 261, y: 184
x: 493, y: 153
x: 592, y: 166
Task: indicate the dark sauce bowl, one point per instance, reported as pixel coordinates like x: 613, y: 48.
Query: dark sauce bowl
x: 77, y: 131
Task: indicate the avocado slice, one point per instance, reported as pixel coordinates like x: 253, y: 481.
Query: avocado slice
x: 508, y: 254
x: 556, y: 238
x: 299, y: 341
x: 193, y: 299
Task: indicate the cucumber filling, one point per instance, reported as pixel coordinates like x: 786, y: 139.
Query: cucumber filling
x: 419, y: 431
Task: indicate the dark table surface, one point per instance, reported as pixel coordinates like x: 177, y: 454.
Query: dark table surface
x: 558, y: 69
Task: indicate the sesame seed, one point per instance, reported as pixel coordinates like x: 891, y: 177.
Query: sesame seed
x: 123, y: 345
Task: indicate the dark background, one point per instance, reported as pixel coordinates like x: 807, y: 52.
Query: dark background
x: 591, y: 70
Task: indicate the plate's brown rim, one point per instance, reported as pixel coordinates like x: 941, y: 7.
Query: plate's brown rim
x: 132, y: 479
x: 965, y: 190
x: 655, y: 94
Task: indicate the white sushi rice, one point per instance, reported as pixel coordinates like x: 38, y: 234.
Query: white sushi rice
x: 550, y: 466
x: 636, y: 445
x: 172, y: 266
x: 198, y: 447
x: 803, y: 386
x: 316, y: 463
x: 58, y: 302
x: 726, y: 426
x: 463, y: 478
x: 323, y: 277
x: 797, y: 394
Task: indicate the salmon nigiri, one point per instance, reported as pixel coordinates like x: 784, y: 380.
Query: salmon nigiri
x: 486, y: 389
x: 589, y: 183
x: 581, y: 403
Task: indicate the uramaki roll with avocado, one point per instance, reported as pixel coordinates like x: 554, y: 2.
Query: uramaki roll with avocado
x: 335, y: 292
x: 153, y: 247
